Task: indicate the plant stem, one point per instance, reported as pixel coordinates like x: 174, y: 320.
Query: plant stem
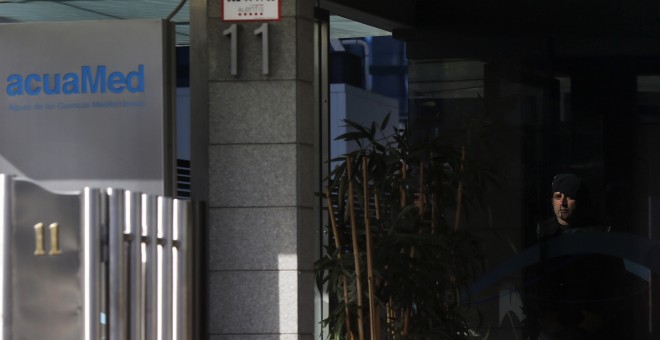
x: 377, y: 204
x: 459, y: 193
x: 433, y: 212
x: 370, y: 270
x: 421, y: 189
x: 356, y: 252
x: 387, y: 314
x: 404, y: 175
x: 390, y: 317
x: 402, y: 187
x: 335, y: 233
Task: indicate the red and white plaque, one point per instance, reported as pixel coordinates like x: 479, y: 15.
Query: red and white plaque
x: 251, y: 10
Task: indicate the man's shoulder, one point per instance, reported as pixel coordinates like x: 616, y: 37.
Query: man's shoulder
x: 551, y: 227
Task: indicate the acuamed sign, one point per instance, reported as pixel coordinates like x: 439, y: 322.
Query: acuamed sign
x: 251, y: 10
x: 88, y: 80
x: 87, y: 104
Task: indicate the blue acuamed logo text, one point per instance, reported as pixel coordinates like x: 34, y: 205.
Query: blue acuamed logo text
x: 88, y: 80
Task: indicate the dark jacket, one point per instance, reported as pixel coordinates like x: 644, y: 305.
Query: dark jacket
x: 574, y: 296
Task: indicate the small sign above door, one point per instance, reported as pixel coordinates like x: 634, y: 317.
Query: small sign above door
x: 251, y: 10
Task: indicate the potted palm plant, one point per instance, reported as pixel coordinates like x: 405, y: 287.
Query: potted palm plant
x: 399, y: 264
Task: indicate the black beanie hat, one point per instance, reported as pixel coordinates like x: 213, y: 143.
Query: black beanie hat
x: 567, y: 184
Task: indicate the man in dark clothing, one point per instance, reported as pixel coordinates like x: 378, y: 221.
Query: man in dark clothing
x: 571, y: 294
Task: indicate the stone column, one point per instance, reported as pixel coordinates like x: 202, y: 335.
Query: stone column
x: 261, y: 161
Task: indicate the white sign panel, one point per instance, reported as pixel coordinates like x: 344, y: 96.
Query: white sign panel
x: 251, y: 10
x: 86, y: 104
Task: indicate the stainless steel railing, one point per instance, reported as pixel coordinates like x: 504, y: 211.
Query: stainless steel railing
x: 134, y: 271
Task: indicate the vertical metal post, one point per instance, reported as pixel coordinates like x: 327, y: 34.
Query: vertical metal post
x: 133, y: 230
x: 91, y: 259
x: 165, y: 268
x: 6, y: 189
x: 117, y: 310
x: 183, y: 271
x: 149, y: 229
x: 321, y: 146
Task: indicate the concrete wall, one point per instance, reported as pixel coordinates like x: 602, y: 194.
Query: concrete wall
x: 260, y: 150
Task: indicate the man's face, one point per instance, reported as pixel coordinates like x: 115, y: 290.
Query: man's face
x: 564, y: 207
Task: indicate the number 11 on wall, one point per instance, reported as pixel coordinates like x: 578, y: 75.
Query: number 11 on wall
x: 232, y: 33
